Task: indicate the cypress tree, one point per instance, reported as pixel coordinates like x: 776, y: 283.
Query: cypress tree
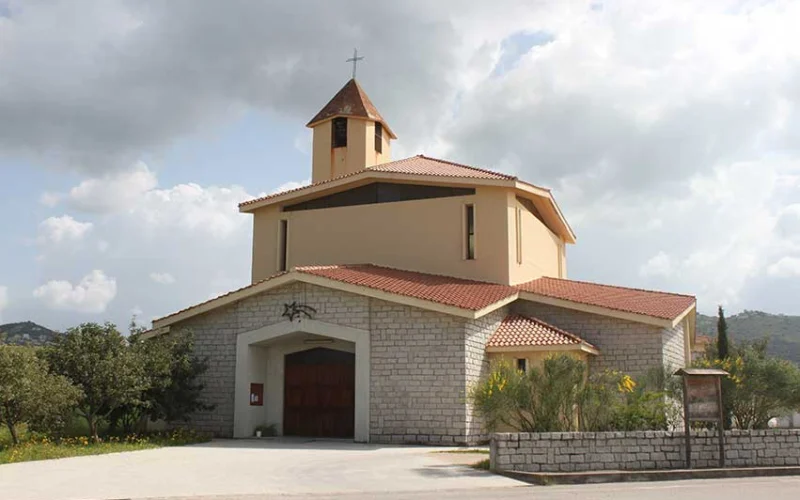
x: 723, y: 351
x: 722, y: 335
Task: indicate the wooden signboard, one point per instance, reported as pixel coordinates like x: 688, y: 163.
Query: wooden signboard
x: 702, y: 402
x: 702, y: 398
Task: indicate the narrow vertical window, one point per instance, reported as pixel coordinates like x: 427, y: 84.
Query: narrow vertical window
x: 339, y: 132
x: 522, y: 364
x: 469, y: 220
x: 518, y: 220
x: 378, y: 137
x: 283, y: 242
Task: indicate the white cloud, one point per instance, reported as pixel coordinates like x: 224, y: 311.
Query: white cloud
x: 49, y: 199
x: 113, y: 192
x: 162, y: 278
x: 62, y: 229
x: 92, y: 295
x: 287, y: 186
x: 786, y: 267
x: 3, y: 300
x: 658, y: 265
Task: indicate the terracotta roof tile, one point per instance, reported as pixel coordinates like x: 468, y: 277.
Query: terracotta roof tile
x: 475, y: 295
x: 415, y: 165
x: 645, y: 302
x: 457, y: 292
x: 351, y: 100
x: 522, y: 331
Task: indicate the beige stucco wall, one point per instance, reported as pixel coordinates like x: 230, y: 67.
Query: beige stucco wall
x: 420, y: 235
x: 542, y: 251
x: 328, y: 163
x: 536, y: 358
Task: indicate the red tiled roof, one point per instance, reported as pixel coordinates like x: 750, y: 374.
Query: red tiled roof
x: 351, y: 100
x: 457, y: 292
x: 475, y: 295
x: 645, y: 302
x: 415, y: 165
x: 522, y: 331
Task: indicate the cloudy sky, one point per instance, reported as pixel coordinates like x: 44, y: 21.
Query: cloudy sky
x: 130, y: 130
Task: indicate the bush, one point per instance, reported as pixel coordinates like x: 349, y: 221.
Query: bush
x: 559, y: 397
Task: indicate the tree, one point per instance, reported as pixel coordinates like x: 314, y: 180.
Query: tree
x: 173, y: 391
x: 723, y: 349
x: 30, y: 394
x: 98, y: 360
x: 723, y: 353
x: 763, y: 387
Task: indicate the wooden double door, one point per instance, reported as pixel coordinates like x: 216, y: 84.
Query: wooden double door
x: 319, y: 393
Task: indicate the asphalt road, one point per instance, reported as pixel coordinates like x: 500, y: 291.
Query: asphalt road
x: 778, y: 488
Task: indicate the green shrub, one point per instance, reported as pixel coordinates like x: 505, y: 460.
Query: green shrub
x: 560, y: 397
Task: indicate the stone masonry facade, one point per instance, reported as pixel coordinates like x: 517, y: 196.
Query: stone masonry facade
x: 630, y: 347
x: 422, y: 364
x: 642, y: 450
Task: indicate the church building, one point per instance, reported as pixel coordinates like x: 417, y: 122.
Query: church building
x: 381, y: 291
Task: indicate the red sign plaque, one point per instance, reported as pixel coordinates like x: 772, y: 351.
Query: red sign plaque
x: 256, y: 394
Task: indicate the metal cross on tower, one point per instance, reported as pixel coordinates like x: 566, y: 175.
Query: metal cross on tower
x: 355, y: 60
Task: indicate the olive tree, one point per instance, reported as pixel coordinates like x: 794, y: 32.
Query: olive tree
x: 30, y: 394
x: 98, y: 359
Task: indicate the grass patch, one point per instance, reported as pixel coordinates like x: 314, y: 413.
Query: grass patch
x: 468, y: 450
x: 482, y: 465
x: 44, y: 448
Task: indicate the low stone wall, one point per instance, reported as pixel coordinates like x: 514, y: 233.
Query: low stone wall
x: 584, y: 451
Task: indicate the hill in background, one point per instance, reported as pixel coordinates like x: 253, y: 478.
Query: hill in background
x: 25, y: 333
x: 783, y: 331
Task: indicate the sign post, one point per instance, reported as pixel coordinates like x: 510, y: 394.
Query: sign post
x: 702, y: 402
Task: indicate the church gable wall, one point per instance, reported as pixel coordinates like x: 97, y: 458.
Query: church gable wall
x: 215, y: 337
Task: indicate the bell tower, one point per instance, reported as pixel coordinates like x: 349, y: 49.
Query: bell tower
x: 349, y: 135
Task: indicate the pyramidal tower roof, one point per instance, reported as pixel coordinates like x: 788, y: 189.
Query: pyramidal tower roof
x: 351, y: 100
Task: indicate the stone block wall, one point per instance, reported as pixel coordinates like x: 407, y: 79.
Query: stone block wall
x: 417, y: 379
x: 673, y: 344
x: 418, y: 368
x: 478, y: 332
x: 633, y: 348
x: 215, y: 337
x: 646, y: 450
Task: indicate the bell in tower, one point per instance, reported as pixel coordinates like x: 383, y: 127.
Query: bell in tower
x: 349, y: 135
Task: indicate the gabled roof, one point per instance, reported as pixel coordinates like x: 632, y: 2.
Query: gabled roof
x: 633, y: 300
x: 422, y: 168
x: 415, y: 165
x: 352, y: 101
x: 462, y: 297
x: 523, y: 332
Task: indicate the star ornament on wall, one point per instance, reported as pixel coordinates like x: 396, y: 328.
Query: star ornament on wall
x: 297, y: 311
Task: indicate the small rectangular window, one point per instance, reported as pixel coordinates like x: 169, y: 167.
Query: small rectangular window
x: 469, y: 220
x: 378, y: 137
x: 522, y: 364
x: 339, y: 132
x: 283, y: 242
x: 519, y: 235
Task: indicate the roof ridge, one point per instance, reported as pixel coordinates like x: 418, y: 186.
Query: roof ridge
x: 552, y: 327
x: 619, y: 287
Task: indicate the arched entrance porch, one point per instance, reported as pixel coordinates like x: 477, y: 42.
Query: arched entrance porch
x: 261, y: 361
